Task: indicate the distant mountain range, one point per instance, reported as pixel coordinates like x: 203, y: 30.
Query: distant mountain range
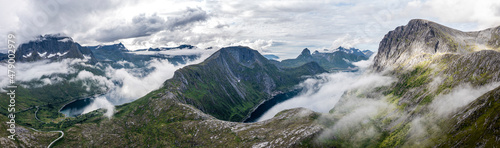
x: 118, y: 52
x: 168, y: 48
x: 340, y: 59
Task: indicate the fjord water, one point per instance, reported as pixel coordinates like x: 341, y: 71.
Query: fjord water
x: 77, y: 107
x: 264, y: 107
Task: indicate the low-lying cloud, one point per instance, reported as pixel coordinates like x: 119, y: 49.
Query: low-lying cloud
x: 445, y: 104
x: 322, y: 92
x: 121, y: 85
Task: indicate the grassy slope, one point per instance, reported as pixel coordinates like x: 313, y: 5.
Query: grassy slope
x: 228, y: 89
x: 412, y: 94
x: 477, y: 125
x: 158, y: 121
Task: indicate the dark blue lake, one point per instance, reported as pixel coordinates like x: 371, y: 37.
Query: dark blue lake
x: 263, y: 108
x: 76, y: 108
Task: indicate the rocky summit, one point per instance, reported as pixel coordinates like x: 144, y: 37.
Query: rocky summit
x: 420, y: 39
x: 53, y: 47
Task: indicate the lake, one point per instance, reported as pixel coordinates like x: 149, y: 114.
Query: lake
x: 264, y: 107
x: 76, y: 108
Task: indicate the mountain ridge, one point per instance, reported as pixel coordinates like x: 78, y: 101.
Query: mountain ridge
x: 54, y: 47
x: 239, y: 77
x: 420, y: 39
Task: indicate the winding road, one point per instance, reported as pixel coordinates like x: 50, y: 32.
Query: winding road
x: 62, y: 133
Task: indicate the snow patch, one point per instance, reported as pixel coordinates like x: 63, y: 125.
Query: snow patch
x: 27, y: 55
x: 42, y: 54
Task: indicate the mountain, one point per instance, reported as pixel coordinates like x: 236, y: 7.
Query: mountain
x: 54, y: 47
x: 336, y: 60
x: 368, y: 53
x: 115, y: 52
x: 444, y: 95
x: 226, y: 85
x: 111, y: 54
x: 3, y: 56
x: 170, y: 48
x: 420, y: 39
x: 435, y: 67
x: 233, y: 81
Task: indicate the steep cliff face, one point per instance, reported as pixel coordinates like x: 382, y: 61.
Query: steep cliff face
x: 53, y: 47
x: 233, y: 81
x: 408, y: 45
x: 444, y: 94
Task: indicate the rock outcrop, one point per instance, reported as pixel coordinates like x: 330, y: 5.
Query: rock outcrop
x: 420, y: 39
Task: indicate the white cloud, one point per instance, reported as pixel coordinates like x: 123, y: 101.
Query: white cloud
x: 134, y: 84
x: 445, y: 104
x: 322, y: 92
x: 300, y: 24
x: 100, y: 102
x: 484, y: 13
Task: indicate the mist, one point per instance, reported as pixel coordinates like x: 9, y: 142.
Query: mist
x: 122, y: 85
x: 322, y: 92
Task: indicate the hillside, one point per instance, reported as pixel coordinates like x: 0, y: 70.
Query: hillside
x: 233, y: 81
x: 437, y: 99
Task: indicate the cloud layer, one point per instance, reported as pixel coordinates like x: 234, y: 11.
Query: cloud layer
x: 288, y: 26
x: 322, y: 92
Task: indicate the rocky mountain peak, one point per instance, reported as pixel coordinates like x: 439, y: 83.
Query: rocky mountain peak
x: 52, y: 47
x: 240, y: 54
x: 420, y: 39
x: 305, y: 54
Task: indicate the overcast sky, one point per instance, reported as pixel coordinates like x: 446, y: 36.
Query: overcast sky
x: 283, y: 28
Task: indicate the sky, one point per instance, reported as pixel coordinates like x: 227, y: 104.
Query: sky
x: 277, y: 27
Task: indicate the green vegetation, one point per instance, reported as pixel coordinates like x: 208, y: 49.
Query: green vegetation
x: 480, y: 125
x: 417, y: 77
x: 229, y: 87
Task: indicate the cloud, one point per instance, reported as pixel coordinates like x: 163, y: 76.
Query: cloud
x: 446, y: 104
x: 37, y: 70
x: 321, y: 93
x: 299, y: 24
x: 133, y: 83
x: 140, y: 26
x: 483, y: 13
x: 143, y: 25
x: 90, y: 79
x: 190, y: 16
x: 100, y: 102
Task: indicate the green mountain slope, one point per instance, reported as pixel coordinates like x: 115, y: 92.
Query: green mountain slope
x: 233, y: 81
x: 434, y: 67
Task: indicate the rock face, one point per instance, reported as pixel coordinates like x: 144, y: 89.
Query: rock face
x: 53, y: 47
x: 115, y: 52
x: 420, y: 39
x: 233, y: 81
x: 340, y: 59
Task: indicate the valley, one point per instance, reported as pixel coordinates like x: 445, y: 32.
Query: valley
x: 428, y: 85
